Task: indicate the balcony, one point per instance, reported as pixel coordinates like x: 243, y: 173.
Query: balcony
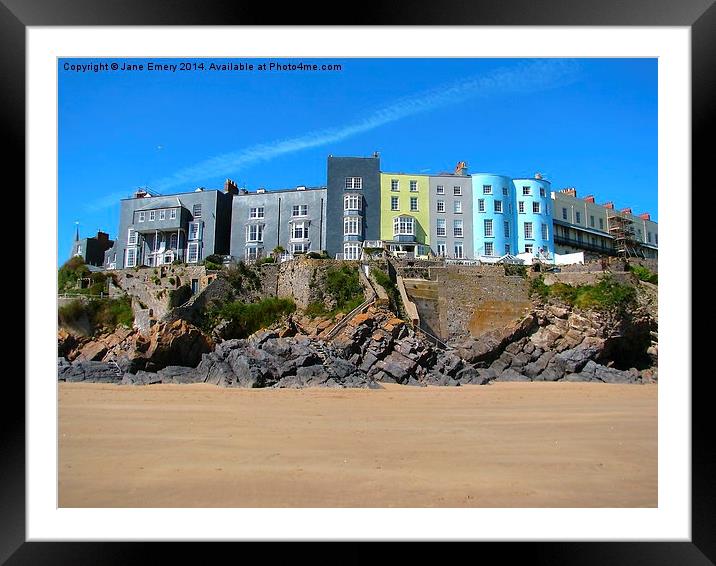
x: 584, y: 245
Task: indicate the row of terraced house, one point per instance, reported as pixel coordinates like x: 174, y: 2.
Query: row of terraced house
x: 361, y: 209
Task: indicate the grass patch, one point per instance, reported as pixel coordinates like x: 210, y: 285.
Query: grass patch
x: 644, y: 273
x: 382, y: 278
x: 105, y: 314
x: 605, y: 295
x: 246, y: 318
x: 342, y: 284
x: 241, y: 277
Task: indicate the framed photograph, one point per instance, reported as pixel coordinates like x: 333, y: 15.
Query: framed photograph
x: 168, y: 150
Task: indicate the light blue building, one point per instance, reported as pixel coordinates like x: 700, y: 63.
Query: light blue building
x: 533, y: 217
x: 493, y: 208
x: 511, y: 216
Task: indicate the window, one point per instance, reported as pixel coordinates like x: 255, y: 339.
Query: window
x: 413, y: 186
x: 457, y: 228
x: 140, y: 217
x: 486, y: 189
x: 489, y: 248
x: 458, y: 250
x: 173, y: 241
x: 352, y: 202
x: 528, y: 231
x: 601, y: 223
x: 498, y: 206
x: 351, y: 226
x: 526, y: 191
x: 413, y: 204
x: 521, y: 207
x: 481, y: 205
x: 594, y: 241
x: 162, y: 214
x: 131, y: 237
x: 457, y: 206
x: 172, y: 214
x: 535, y: 208
x: 441, y: 227
x: 194, y: 231
x: 441, y: 206
x: 394, y: 203
x: 299, y: 230
x: 300, y: 210
x: 578, y: 217
x: 440, y: 248
x: 152, y: 215
x: 394, y: 185
x: 591, y: 220
x: 131, y: 260
x: 255, y: 233
x: 457, y: 191
x: 404, y: 226
x: 564, y: 214
x: 656, y: 239
x: 354, y: 182
x: 252, y: 252
x: 196, y: 211
x: 542, y: 192
x: 528, y: 248
x: 441, y: 189
x: 545, y: 232
x: 488, y: 228
x: 507, y: 229
x: 300, y: 248
x: 648, y: 237
x: 351, y: 251
x: 508, y: 249
x: 256, y: 212
x: 504, y: 191
x: 193, y: 252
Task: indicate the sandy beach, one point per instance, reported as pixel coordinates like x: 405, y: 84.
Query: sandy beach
x: 502, y: 445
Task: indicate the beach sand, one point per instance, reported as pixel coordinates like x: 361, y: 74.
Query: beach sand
x: 502, y: 445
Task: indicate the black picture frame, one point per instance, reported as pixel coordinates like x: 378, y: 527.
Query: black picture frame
x: 699, y: 15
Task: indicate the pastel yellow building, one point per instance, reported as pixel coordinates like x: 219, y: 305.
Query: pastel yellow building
x: 405, y: 213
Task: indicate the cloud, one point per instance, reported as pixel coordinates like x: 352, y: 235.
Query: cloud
x: 534, y: 76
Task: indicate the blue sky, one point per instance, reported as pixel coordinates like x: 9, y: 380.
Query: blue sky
x: 587, y: 123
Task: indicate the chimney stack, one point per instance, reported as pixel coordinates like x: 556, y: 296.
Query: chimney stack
x: 589, y: 198
x: 461, y: 168
x: 571, y: 191
x: 230, y: 187
x: 645, y: 216
x: 609, y: 205
x: 102, y: 236
x: 626, y: 210
x: 538, y: 175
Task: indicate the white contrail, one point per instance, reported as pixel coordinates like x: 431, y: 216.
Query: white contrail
x: 524, y: 77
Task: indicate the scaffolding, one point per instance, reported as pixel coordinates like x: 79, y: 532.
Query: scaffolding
x: 621, y: 228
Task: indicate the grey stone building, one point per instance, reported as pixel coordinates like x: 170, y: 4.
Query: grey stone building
x: 92, y: 250
x: 294, y: 219
x: 157, y: 230
x: 451, y: 232
x: 353, y: 204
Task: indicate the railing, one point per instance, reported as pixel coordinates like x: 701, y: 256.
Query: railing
x: 433, y: 338
x: 584, y: 245
x: 83, y: 295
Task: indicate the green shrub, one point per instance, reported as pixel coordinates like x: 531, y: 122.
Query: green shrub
x: 242, y: 276
x: 343, y: 285
x: 72, y: 270
x: 103, y: 313
x: 607, y: 294
x: 515, y: 269
x: 177, y: 262
x: 246, y: 318
x: 213, y: 266
x: 267, y: 259
x: 172, y: 281
x: 644, y: 273
x: 382, y: 278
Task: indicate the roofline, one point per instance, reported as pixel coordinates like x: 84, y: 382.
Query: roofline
x: 175, y: 194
